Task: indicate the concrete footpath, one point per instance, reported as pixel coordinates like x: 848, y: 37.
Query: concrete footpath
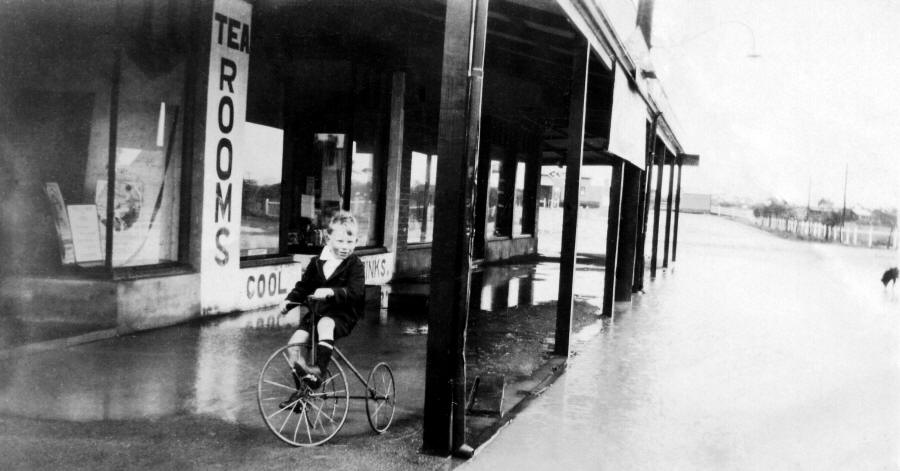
x: 184, y: 397
x: 752, y: 353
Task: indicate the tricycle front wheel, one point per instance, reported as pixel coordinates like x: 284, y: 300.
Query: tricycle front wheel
x: 381, y: 397
x: 297, y: 412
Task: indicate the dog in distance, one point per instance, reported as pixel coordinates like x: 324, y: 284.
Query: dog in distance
x: 890, y: 276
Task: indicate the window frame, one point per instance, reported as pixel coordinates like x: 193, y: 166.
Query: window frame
x: 110, y: 91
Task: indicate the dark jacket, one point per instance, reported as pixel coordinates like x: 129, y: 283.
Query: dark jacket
x: 348, y: 282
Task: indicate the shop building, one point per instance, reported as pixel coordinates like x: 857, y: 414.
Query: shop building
x: 163, y: 161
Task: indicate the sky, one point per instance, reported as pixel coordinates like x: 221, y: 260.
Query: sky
x: 821, y: 98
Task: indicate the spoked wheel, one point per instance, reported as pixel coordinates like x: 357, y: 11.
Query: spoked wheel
x: 298, y: 413
x: 381, y: 397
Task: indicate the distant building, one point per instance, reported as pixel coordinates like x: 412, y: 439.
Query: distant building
x: 552, y: 190
x: 695, y: 203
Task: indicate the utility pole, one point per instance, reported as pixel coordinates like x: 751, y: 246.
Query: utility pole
x: 844, y: 210
x: 808, y: 197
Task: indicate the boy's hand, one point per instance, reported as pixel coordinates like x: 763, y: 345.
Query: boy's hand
x: 323, y: 293
x: 287, y: 306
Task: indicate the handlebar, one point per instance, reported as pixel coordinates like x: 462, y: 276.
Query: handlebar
x: 309, y: 299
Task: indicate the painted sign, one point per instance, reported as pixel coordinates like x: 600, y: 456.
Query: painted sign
x: 379, y: 268
x: 267, y: 286
x: 229, y: 60
x: 261, y: 285
x: 628, y: 128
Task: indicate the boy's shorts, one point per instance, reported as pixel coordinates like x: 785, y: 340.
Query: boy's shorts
x: 341, y: 327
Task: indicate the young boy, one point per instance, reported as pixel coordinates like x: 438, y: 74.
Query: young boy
x: 336, y: 281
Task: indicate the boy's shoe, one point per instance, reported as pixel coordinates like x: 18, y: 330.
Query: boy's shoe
x: 312, y: 380
x: 298, y: 373
x: 294, y: 399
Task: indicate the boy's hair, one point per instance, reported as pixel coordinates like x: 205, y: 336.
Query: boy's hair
x: 346, y: 219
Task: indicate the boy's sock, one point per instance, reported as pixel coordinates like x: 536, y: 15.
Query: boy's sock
x: 298, y: 373
x: 323, y: 354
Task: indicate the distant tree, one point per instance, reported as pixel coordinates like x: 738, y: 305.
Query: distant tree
x: 832, y: 218
x: 773, y: 208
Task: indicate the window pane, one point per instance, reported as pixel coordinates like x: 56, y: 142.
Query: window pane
x: 148, y: 140
x: 490, y: 227
x: 432, y: 178
x: 261, y: 200
x: 519, y: 199
x: 421, y: 197
x: 55, y: 88
x: 363, y: 196
x: 324, y: 193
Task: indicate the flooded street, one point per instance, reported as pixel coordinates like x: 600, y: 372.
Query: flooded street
x: 752, y: 352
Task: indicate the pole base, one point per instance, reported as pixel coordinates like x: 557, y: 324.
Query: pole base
x: 464, y: 451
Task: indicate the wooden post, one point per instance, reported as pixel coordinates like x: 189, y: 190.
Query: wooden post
x: 645, y: 207
x: 394, y: 164
x: 628, y: 231
x: 612, y: 238
x: 481, y: 192
x: 677, y: 212
x: 638, y: 262
x: 577, y: 107
x: 451, y: 258
x: 668, y: 214
x: 660, y: 156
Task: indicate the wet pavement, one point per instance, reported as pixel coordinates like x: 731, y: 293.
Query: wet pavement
x: 752, y: 352
x: 185, y: 396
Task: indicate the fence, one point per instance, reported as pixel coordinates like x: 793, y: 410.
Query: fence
x: 733, y: 212
x: 850, y: 234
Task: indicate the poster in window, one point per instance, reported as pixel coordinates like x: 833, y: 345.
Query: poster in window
x: 85, y: 233
x: 139, y: 177
x: 61, y: 220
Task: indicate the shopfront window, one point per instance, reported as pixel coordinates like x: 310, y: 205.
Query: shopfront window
x: 78, y: 96
x: 421, y: 197
x: 334, y: 132
x: 146, y: 197
x: 329, y: 75
x: 363, y: 195
x: 261, y: 201
x: 518, y: 226
x: 494, y: 226
x: 345, y: 179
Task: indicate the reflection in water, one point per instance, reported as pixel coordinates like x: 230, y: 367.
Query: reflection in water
x: 209, y: 367
x: 217, y: 374
x: 91, y: 383
x: 506, y: 286
x: 512, y: 298
x: 487, y: 296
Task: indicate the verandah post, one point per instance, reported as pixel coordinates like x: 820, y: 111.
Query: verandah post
x: 677, y: 212
x: 454, y: 217
x: 660, y: 158
x: 577, y: 109
x: 646, y: 185
x: 628, y: 229
x: 612, y: 237
x: 669, y: 213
